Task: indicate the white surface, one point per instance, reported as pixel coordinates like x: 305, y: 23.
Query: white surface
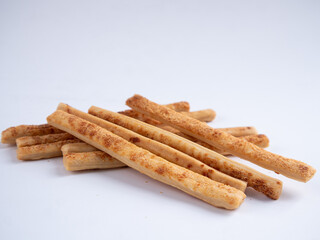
x: 255, y: 63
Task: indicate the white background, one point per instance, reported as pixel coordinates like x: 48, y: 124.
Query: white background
x: 254, y: 62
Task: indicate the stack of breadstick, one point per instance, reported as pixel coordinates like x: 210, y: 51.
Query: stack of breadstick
x: 166, y: 142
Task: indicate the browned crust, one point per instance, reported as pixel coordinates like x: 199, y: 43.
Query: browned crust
x: 49, y: 138
x: 159, y: 149
x: 214, y: 193
x: 269, y: 186
x: 10, y: 135
x: 90, y: 160
x: 291, y: 168
x: 42, y: 151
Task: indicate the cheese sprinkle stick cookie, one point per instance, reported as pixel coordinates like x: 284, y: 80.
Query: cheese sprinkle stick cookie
x: 269, y: 186
x: 10, y: 135
x: 214, y: 193
x: 288, y: 167
x: 159, y: 149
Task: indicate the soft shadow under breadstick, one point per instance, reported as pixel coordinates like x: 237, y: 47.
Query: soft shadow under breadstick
x: 214, y: 193
x: 49, y: 138
x: 42, y: 151
x: 269, y: 186
x: 159, y: 149
x: 291, y: 168
x: 10, y: 135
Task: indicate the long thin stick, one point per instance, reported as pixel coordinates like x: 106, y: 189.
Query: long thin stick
x: 291, y: 168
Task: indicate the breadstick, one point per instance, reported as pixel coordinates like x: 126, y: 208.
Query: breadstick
x: 260, y: 140
x: 239, y: 147
x: 214, y: 193
x: 41, y: 151
x: 77, y: 148
x: 10, y: 135
x: 206, y: 115
x: 271, y: 187
x: 50, y: 138
x: 159, y: 149
x: 90, y: 160
x: 202, y: 115
x: 178, y: 106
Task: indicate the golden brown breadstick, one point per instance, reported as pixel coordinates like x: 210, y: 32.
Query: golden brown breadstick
x: 10, y: 135
x: 42, y: 151
x: 206, y: 115
x: 269, y: 186
x: 159, y: 149
x: 90, y: 160
x: 49, y: 138
x: 178, y: 106
x: 214, y: 193
x: 77, y: 148
x: 291, y: 168
x: 202, y: 115
x: 260, y: 140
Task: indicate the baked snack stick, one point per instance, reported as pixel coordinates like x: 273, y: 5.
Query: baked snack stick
x: 10, y: 135
x: 214, y: 193
x: 77, y: 148
x: 49, y: 138
x: 159, y: 149
x: 178, y: 106
x: 291, y: 168
x: 89, y: 161
x: 82, y: 156
x: 202, y: 115
x: 260, y: 140
x: 42, y: 151
x: 269, y: 186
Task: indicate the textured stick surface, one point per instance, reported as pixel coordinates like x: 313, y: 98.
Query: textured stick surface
x: 269, y: 186
x: 178, y: 107
x: 90, y: 160
x: 214, y: 193
x: 49, y: 138
x: 159, y: 149
x: 291, y: 168
x: 42, y: 151
x: 10, y: 135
